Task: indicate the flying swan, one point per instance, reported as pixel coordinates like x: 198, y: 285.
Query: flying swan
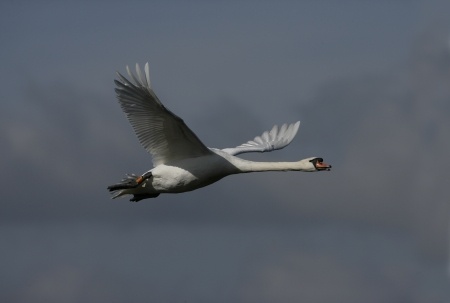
x: 181, y: 161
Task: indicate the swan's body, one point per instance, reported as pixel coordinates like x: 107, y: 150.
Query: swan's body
x: 181, y: 161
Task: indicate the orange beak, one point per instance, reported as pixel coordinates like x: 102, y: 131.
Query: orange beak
x: 322, y: 166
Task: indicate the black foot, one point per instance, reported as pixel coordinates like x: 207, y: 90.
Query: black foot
x: 139, y: 197
x: 131, y: 181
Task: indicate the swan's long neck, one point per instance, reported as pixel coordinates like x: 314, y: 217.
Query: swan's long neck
x: 246, y: 166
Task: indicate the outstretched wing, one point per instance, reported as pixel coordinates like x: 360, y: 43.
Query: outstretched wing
x: 162, y: 133
x: 277, y: 138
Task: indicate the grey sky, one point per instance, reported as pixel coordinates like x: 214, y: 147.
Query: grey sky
x: 369, y: 81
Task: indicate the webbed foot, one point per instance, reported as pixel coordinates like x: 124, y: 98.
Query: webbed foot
x: 130, y: 181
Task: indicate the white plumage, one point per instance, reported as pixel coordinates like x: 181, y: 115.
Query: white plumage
x: 268, y: 141
x: 181, y: 161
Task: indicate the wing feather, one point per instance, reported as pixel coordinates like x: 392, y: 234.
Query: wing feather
x: 276, y: 138
x: 162, y: 133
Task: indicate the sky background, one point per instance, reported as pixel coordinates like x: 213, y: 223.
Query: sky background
x: 369, y: 81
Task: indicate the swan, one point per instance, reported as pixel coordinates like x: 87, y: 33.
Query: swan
x: 181, y: 162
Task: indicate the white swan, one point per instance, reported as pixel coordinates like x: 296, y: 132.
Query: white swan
x: 181, y: 161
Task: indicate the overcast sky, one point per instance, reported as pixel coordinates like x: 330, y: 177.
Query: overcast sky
x: 369, y: 81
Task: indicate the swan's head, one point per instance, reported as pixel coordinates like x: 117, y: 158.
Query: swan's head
x: 315, y: 164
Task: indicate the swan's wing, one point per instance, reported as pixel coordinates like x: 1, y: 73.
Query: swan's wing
x: 163, y: 134
x: 275, y: 139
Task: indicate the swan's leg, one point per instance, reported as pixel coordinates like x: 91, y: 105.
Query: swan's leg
x: 144, y: 177
x: 131, y: 181
x: 139, y: 197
